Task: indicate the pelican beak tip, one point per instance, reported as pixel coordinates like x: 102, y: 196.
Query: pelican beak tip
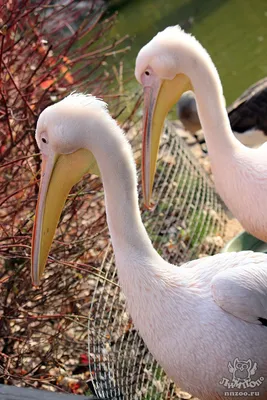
x: 36, y: 281
x: 147, y: 205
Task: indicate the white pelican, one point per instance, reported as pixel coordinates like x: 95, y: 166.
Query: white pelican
x: 187, y: 112
x: 174, y: 62
x: 247, y: 114
x: 197, y: 320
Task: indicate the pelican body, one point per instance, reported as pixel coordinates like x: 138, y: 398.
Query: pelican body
x: 195, y: 319
x: 187, y: 112
x: 247, y: 114
x: 170, y: 64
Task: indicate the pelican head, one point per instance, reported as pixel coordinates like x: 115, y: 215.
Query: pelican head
x: 163, y: 69
x: 63, y: 133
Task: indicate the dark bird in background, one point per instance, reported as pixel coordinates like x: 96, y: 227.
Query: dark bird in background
x: 247, y: 115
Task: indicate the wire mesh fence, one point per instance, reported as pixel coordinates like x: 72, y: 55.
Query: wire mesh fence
x: 188, y: 221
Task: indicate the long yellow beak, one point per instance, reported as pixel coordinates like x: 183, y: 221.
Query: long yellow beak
x: 59, y: 173
x: 158, y: 101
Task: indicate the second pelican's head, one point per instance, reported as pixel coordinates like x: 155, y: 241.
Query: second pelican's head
x: 163, y: 67
x: 65, y: 132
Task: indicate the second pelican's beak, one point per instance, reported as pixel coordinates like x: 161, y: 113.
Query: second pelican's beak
x: 59, y: 173
x: 158, y: 100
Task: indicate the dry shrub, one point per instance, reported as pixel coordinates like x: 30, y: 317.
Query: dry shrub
x: 48, y: 49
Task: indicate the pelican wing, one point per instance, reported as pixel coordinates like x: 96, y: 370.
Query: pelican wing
x: 242, y: 290
x: 249, y: 110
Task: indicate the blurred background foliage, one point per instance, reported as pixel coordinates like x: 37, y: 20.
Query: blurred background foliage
x: 232, y: 31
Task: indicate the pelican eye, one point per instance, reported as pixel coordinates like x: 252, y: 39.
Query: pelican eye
x: 44, y: 140
x: 147, y: 73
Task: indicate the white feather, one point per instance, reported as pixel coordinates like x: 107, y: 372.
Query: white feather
x: 240, y: 173
x: 190, y: 334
